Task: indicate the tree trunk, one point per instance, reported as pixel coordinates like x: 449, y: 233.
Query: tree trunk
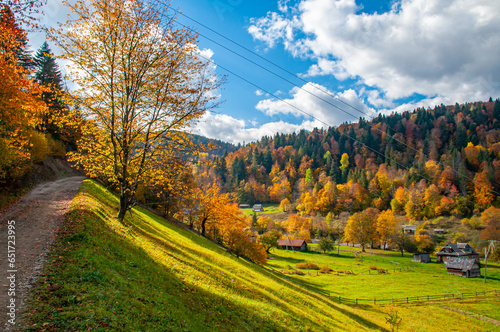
x: 125, y: 202
x: 203, y: 224
x: 123, y: 207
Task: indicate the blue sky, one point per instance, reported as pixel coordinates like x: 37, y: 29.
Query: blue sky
x: 378, y: 56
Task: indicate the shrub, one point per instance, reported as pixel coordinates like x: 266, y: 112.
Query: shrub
x: 325, y: 269
x: 307, y: 266
x: 39, y: 147
x: 373, y: 267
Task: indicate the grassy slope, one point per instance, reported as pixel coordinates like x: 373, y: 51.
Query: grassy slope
x: 153, y: 276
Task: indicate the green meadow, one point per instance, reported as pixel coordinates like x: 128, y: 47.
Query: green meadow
x: 151, y: 275
x: 401, y: 277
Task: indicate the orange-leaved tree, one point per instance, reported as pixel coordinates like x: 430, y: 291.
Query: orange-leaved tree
x: 361, y: 227
x: 141, y: 83
x: 20, y: 103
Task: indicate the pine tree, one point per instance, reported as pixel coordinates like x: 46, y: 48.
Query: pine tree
x: 49, y: 75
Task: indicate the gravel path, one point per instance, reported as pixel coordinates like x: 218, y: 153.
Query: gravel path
x: 27, y: 230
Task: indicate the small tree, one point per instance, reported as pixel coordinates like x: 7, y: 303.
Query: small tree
x: 325, y: 244
x: 269, y: 240
x: 393, y: 318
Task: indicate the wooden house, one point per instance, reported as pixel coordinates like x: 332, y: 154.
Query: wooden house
x: 456, y: 250
x: 422, y: 258
x: 463, y: 266
x: 410, y: 229
x: 244, y: 206
x: 258, y: 208
x: 295, y: 245
x: 439, y: 231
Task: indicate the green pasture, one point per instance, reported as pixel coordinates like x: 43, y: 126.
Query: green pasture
x: 268, y: 208
x: 151, y: 275
x: 402, y: 277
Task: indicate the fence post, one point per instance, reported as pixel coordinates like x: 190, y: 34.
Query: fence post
x: 356, y: 301
x: 340, y: 299
x: 427, y: 297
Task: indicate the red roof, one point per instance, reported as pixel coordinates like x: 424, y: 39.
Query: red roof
x: 290, y: 243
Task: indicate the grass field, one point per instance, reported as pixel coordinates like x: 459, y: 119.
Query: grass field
x: 151, y: 275
x: 268, y: 208
x: 404, y: 278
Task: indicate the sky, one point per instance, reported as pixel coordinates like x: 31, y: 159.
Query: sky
x: 320, y: 63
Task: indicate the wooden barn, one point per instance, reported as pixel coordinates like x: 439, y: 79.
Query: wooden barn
x: 295, y: 245
x: 410, y: 229
x: 463, y: 266
x: 422, y: 258
x: 258, y: 208
x: 456, y: 250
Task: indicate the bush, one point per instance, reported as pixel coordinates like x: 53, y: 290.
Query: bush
x: 307, y: 266
x: 325, y: 269
x: 373, y: 267
x: 39, y: 148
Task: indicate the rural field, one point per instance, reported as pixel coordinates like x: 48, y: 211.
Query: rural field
x: 149, y: 274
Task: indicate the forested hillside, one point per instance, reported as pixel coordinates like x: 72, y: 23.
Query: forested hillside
x: 423, y: 164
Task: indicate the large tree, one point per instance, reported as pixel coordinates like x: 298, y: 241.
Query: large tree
x: 361, y: 227
x: 20, y: 103
x: 141, y: 82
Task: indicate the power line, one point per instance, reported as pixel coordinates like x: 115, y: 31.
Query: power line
x: 312, y: 116
x: 309, y: 92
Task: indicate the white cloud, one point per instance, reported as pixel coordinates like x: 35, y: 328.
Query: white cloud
x: 232, y: 130
x: 430, y: 47
x: 318, y: 105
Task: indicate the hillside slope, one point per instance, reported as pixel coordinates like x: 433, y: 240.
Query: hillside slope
x: 153, y: 276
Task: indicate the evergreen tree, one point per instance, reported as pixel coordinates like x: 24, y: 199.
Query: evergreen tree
x: 49, y: 75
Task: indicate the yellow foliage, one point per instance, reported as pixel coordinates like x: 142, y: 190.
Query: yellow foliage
x: 135, y: 110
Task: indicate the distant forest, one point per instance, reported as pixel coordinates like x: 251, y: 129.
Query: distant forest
x: 423, y: 164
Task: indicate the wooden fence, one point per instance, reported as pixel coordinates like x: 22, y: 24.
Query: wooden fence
x: 410, y: 299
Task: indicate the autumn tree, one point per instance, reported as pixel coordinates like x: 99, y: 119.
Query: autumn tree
x: 483, y: 190
x: 216, y: 214
x: 386, y: 225
x: 361, y: 227
x: 141, y: 83
x: 20, y: 103
x: 269, y: 240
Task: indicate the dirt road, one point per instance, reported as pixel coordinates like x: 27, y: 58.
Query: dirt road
x: 27, y: 230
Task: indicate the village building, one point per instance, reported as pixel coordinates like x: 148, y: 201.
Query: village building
x: 295, y: 245
x: 439, y: 231
x: 410, y: 229
x: 422, y: 258
x: 463, y: 266
x: 244, y: 206
x: 456, y: 250
x: 258, y: 208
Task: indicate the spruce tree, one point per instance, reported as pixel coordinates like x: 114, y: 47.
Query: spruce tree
x: 48, y: 74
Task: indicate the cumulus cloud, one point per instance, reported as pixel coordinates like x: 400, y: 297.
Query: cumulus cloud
x: 232, y: 130
x: 316, y: 104
x: 447, y: 49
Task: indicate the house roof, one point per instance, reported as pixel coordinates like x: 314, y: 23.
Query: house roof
x: 459, y: 249
x: 290, y: 242
x: 461, y: 263
x: 410, y: 226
